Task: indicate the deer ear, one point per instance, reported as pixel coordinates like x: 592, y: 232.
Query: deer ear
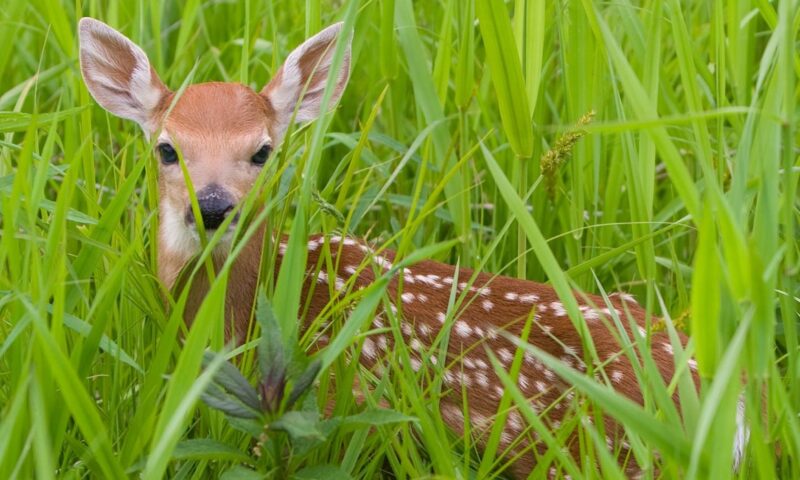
x: 118, y: 73
x: 307, y: 67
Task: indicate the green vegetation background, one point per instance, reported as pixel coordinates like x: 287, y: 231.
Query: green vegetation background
x: 644, y: 146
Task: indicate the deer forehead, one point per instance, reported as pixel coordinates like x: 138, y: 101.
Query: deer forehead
x: 218, y: 118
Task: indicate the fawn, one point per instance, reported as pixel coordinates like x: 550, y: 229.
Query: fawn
x: 226, y: 132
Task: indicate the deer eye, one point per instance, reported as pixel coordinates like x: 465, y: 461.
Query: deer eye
x: 260, y: 157
x: 168, y: 154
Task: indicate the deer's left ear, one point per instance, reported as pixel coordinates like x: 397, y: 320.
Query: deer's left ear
x: 118, y: 73
x: 309, y: 64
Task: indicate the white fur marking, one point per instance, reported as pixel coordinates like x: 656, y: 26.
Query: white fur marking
x: 463, y: 329
x: 529, y: 298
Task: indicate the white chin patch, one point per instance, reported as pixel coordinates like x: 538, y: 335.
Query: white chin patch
x: 177, y: 236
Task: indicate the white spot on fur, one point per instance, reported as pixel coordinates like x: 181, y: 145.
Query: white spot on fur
x: 424, y: 329
x: 368, y: 348
x: 558, y: 309
x: 415, y: 364
x: 463, y: 329
x: 487, y: 305
x: 481, y: 422
x: 590, y: 313
x: 505, y: 355
x: 406, y: 328
x: 339, y: 284
x: 541, y: 308
x: 430, y: 280
x: 481, y: 379
x: 515, y: 420
x: 382, y: 262
x: 383, y: 344
x: 498, y: 390
x: 625, y: 297
x: 529, y: 298
x: 492, y: 332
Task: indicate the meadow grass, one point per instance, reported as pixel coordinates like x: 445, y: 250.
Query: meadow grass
x: 649, y: 147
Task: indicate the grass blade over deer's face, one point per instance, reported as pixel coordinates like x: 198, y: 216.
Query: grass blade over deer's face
x: 224, y: 131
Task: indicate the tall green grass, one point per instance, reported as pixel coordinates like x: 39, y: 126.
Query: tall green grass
x: 683, y: 191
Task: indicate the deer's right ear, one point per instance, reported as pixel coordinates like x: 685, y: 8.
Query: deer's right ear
x: 301, y: 80
x: 118, y: 73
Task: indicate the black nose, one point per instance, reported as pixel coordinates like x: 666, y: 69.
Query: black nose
x: 215, y: 204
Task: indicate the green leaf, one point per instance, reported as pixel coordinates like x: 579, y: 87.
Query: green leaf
x: 305, y: 429
x: 200, y: 449
x: 706, y: 297
x: 106, y: 344
x: 509, y: 85
x: 17, y: 122
x: 241, y: 473
x: 377, y: 416
x: 322, y: 472
x: 250, y: 426
x: 304, y: 381
x: 232, y: 380
x: 272, y: 357
x: 216, y: 397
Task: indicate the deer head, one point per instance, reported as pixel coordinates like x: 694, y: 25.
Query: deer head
x: 224, y: 131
